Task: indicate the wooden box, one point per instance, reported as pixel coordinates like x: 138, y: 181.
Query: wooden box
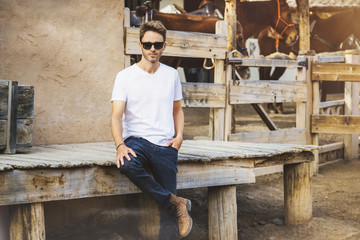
x: 16, y: 116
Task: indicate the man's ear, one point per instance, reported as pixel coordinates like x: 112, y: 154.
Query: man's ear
x: 164, y: 46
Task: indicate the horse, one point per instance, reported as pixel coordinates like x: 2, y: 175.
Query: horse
x: 326, y: 35
x: 255, y: 16
x: 251, y: 17
x: 203, y: 21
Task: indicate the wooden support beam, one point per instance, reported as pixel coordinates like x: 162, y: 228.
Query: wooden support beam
x: 255, y: 91
x: 304, y: 24
x: 27, y: 222
x: 289, y: 136
x: 336, y: 72
x: 351, y: 107
x: 149, y: 219
x: 231, y: 21
x: 24, y: 116
x: 9, y: 104
x: 222, y: 213
x: 265, y: 117
x: 182, y: 44
x: 345, y: 124
x: 217, y: 115
x: 126, y: 19
x: 297, y: 193
x: 204, y: 95
x: 62, y: 184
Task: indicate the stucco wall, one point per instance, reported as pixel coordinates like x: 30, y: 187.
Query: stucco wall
x: 70, y: 51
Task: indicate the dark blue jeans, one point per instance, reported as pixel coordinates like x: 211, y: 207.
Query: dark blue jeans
x: 162, y: 163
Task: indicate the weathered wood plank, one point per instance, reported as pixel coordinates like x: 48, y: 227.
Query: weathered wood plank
x: 295, y: 136
x: 25, y: 102
x: 26, y: 186
x: 222, y: 213
x: 335, y: 124
x: 203, y: 95
x: 27, y: 222
x: 267, y: 91
x: 24, y: 133
x: 182, y: 44
x: 264, y: 62
x: 336, y: 72
x: 297, y: 193
x: 25, y: 108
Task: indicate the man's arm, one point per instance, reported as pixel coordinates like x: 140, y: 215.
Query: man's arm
x: 178, y: 116
x: 118, y: 108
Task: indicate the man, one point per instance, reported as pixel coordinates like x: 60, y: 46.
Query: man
x: 147, y: 124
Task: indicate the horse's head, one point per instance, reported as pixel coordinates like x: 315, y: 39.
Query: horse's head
x: 283, y: 23
x: 145, y: 10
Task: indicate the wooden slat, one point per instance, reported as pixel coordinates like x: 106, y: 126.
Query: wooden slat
x: 183, y: 44
x: 203, y: 95
x: 346, y: 124
x: 24, y: 132
x: 25, y: 107
x: 25, y: 186
x: 264, y: 62
x: 267, y: 91
x: 336, y: 72
x: 295, y: 136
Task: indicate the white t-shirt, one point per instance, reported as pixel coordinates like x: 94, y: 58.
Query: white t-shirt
x: 149, y: 102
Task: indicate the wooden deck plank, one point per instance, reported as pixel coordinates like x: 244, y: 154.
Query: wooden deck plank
x: 39, y: 185
x: 103, y: 154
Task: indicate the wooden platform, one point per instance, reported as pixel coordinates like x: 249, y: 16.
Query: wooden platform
x: 71, y: 171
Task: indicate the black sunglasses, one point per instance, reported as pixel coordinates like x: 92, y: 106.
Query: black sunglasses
x: 148, y: 45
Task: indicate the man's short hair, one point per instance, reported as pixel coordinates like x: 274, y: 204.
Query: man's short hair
x: 154, y: 26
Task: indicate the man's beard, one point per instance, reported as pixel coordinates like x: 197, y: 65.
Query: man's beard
x: 152, y: 60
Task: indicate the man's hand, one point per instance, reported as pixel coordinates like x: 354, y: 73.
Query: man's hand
x: 176, y: 142
x: 123, y: 151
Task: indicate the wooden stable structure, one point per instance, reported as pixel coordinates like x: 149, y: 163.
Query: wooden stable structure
x: 72, y: 171
x: 62, y: 172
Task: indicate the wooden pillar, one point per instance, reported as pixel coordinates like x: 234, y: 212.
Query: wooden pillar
x: 297, y: 193
x: 217, y: 117
x: 304, y: 24
x: 231, y: 21
x: 351, y: 96
x: 27, y: 222
x: 222, y: 213
x: 126, y: 20
x: 149, y: 222
x: 311, y: 106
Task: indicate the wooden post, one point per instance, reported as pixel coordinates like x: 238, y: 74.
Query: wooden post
x: 149, y: 223
x: 217, y: 117
x: 126, y: 20
x: 222, y: 213
x: 11, y: 98
x: 27, y: 222
x: 304, y: 24
x: 297, y: 193
x: 351, y: 96
x: 231, y: 21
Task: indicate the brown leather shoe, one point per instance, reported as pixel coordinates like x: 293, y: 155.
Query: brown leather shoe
x: 183, y: 207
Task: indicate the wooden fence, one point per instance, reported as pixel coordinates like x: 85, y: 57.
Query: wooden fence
x: 227, y: 91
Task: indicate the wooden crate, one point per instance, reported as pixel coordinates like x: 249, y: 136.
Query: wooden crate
x: 16, y: 116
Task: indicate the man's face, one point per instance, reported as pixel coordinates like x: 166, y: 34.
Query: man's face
x: 152, y: 55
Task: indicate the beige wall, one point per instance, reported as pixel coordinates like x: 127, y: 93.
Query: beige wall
x: 70, y: 51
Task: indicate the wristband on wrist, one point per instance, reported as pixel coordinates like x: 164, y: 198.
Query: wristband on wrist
x: 117, y: 147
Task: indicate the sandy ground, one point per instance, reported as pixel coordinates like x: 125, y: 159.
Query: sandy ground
x: 336, y: 208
